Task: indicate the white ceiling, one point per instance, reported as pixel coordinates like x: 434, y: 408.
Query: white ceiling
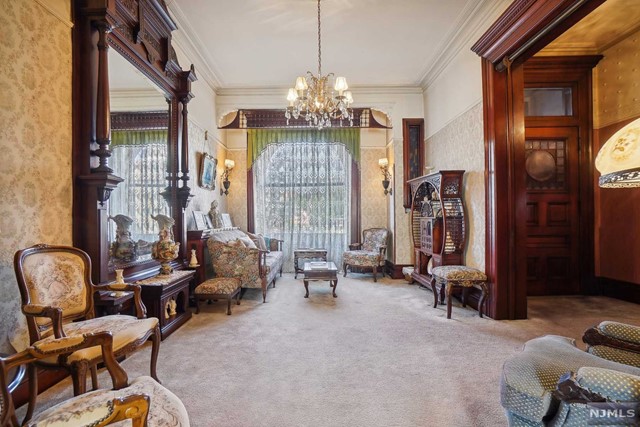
x: 267, y: 43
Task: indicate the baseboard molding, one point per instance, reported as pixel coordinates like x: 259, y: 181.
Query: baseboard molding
x: 618, y: 289
x: 395, y: 270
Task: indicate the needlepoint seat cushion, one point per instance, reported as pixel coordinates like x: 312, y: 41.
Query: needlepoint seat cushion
x: 219, y: 286
x: 466, y: 276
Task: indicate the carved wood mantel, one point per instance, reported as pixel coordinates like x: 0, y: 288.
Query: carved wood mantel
x: 140, y: 31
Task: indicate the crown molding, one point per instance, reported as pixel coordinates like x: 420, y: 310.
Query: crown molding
x: 188, y: 41
x: 473, y: 18
x: 281, y: 91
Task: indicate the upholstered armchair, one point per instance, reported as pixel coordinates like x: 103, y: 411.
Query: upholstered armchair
x: 144, y: 402
x: 551, y: 381
x: 368, y: 255
x: 57, y: 300
x: 614, y: 341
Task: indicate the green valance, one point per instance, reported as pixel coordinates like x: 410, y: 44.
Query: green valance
x: 258, y: 139
x: 138, y: 137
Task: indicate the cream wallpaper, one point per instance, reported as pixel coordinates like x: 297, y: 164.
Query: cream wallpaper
x: 460, y: 145
x: 617, y: 83
x: 202, y: 196
x: 237, y: 198
x: 403, y: 241
x: 35, y: 172
x: 373, y: 203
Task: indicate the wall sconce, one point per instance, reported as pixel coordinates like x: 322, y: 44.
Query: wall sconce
x: 228, y: 165
x: 384, y: 167
x: 619, y: 158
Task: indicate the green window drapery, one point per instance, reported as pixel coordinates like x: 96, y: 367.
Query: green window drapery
x: 259, y: 139
x: 138, y: 137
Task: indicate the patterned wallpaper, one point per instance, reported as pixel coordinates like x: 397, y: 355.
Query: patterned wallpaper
x: 237, y: 198
x: 35, y: 172
x: 403, y: 240
x: 616, y: 83
x: 373, y: 204
x: 202, y: 196
x: 460, y: 145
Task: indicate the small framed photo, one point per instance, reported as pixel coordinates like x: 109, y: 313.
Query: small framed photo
x: 208, y: 171
x: 198, y: 217
x: 226, y: 220
x: 207, y: 220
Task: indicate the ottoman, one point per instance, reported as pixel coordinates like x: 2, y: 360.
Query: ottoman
x: 218, y: 288
x: 450, y: 276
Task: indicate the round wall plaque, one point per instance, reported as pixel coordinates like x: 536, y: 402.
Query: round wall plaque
x: 541, y: 166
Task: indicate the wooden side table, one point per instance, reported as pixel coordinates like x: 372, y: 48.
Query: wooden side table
x: 106, y: 304
x: 167, y: 298
x: 307, y: 253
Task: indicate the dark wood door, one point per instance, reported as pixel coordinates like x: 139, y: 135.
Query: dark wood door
x: 552, y: 220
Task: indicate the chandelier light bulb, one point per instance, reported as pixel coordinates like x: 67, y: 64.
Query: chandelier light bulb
x: 301, y: 84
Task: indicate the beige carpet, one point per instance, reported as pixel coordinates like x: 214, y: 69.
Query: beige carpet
x: 378, y: 355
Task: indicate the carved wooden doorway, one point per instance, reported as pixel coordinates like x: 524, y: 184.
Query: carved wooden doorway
x: 556, y: 185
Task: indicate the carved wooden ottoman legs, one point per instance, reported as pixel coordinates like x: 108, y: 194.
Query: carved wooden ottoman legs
x: 451, y: 276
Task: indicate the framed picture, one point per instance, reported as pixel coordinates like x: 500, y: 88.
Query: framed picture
x: 198, y: 217
x: 207, y: 220
x: 208, y: 171
x: 226, y: 220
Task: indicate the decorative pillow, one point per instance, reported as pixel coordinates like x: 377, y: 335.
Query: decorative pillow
x: 258, y: 239
x: 237, y: 242
x: 247, y: 242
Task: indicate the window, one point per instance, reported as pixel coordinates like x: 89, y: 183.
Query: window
x: 302, y: 195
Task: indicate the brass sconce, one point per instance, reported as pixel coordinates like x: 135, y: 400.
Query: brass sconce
x: 384, y: 167
x: 228, y: 165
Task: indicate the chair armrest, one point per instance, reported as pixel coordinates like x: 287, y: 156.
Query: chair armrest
x: 613, y: 385
x: 614, y: 334
x: 383, y: 250
x: 53, y: 313
x: 355, y: 246
x: 66, y: 345
x: 141, y: 309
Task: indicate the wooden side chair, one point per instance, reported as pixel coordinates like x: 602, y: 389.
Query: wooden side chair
x: 57, y: 299
x: 144, y: 402
x: 368, y: 255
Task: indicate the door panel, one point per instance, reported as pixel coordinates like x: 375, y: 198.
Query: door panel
x: 552, y: 222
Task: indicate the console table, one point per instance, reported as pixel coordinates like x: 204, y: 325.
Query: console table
x: 167, y: 298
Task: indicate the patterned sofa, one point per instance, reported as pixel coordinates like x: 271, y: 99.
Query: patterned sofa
x: 234, y: 254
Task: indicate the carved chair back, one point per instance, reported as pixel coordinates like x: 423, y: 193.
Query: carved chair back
x: 56, y: 276
x: 373, y: 238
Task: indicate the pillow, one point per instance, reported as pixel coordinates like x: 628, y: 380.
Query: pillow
x: 259, y: 241
x: 247, y: 242
x: 237, y: 242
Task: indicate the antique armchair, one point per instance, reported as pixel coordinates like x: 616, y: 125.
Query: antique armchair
x: 144, y: 402
x: 368, y: 255
x: 551, y: 382
x: 57, y: 300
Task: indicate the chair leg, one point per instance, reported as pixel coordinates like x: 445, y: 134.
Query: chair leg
x: 238, y: 297
x: 264, y: 295
x: 79, y: 377
x: 229, y: 305
x: 435, y: 291
x: 483, y: 298
x: 197, y: 304
x: 32, y: 371
x: 465, y: 293
x: 155, y: 349
x: 375, y: 273
x: 442, y: 289
x: 94, y: 377
x: 344, y: 268
x: 449, y: 298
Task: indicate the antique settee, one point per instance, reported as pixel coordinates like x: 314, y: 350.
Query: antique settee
x: 234, y: 253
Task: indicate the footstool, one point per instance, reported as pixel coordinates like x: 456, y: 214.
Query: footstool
x: 218, y: 288
x: 449, y: 276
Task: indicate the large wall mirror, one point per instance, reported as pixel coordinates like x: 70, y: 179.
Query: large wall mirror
x: 130, y: 142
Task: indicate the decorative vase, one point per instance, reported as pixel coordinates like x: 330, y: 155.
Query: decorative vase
x: 119, y: 276
x: 165, y: 249
x: 194, y: 260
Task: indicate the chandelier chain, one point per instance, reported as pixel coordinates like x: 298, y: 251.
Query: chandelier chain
x: 319, y: 44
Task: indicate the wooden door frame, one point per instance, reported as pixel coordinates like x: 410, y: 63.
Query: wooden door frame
x: 520, y: 32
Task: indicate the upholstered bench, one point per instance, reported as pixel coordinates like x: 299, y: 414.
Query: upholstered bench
x: 218, y: 288
x: 450, y: 276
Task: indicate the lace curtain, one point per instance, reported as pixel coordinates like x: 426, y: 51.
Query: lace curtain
x: 139, y: 156
x: 302, y: 195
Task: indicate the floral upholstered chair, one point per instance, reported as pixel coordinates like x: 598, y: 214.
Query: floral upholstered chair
x: 144, y: 402
x: 368, y: 255
x: 57, y: 300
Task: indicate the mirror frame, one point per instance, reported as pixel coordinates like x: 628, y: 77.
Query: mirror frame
x: 139, y: 30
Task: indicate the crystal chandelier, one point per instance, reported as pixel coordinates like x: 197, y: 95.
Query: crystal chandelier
x: 312, y: 99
